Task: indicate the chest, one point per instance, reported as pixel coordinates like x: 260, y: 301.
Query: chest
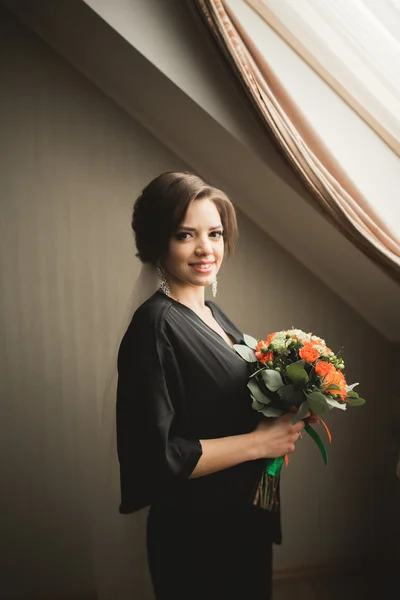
x: 210, y: 321
x: 215, y: 400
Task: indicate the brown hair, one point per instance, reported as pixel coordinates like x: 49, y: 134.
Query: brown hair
x: 162, y: 206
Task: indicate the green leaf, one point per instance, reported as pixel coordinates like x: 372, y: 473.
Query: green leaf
x: 349, y: 388
x: 317, y: 402
x: 270, y: 411
x: 335, y: 404
x: 257, y: 393
x: 250, y: 341
x: 245, y: 352
x: 297, y: 373
x: 256, y: 404
x: 301, y: 413
x: 258, y: 371
x: 290, y: 396
x: 356, y: 401
x: 287, y: 393
x: 333, y: 386
x: 272, y: 379
x: 314, y: 435
x: 352, y: 395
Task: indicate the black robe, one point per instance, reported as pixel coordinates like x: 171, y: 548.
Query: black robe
x: 179, y: 382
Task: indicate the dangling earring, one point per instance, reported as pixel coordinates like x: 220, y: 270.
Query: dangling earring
x: 214, y: 287
x: 162, y: 280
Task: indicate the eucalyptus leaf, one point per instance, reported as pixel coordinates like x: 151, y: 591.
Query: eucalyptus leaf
x: 287, y: 393
x: 290, y: 396
x: 356, y: 401
x: 297, y: 374
x: 245, y: 352
x: 335, y: 404
x: 301, y: 413
x: 318, y: 403
x: 257, y: 393
x: 350, y: 388
x: 256, y: 404
x: 257, y: 372
x: 250, y: 341
x: 270, y: 411
x: 272, y: 379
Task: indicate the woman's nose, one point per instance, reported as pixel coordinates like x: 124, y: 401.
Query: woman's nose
x: 204, y: 247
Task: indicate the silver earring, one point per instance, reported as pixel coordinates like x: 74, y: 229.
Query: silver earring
x: 162, y: 280
x: 214, y: 287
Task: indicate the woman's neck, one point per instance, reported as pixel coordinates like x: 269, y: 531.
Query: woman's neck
x: 192, y: 296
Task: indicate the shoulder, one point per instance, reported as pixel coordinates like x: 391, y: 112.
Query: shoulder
x: 153, y: 312
x: 147, y: 325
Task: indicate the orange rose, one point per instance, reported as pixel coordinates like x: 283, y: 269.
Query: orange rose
x: 269, y: 338
x: 342, y: 384
x: 309, y: 353
x: 262, y: 354
x: 336, y: 378
x: 322, y: 368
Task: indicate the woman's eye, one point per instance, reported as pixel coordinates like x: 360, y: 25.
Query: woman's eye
x: 185, y: 235
x: 182, y: 235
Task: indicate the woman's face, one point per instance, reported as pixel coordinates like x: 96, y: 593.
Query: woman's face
x: 196, y: 250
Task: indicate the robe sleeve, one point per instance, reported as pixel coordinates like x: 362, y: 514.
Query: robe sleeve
x: 153, y: 455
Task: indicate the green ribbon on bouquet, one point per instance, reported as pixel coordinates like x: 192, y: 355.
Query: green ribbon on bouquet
x: 314, y: 435
x: 274, y: 466
x: 267, y: 493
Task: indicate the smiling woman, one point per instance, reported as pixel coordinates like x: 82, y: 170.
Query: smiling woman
x: 196, y: 250
x: 189, y: 443
x: 161, y: 208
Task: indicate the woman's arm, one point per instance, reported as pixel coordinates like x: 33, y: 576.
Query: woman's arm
x: 270, y: 439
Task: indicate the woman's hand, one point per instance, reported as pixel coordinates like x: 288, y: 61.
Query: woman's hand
x: 271, y: 438
x: 274, y: 438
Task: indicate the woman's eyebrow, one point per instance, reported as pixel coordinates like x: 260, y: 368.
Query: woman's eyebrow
x: 194, y: 228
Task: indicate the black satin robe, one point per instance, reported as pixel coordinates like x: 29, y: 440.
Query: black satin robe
x: 180, y: 382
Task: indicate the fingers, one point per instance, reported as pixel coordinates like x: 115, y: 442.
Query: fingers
x: 294, y: 409
x: 292, y: 429
x: 297, y: 435
x: 299, y: 426
x: 288, y: 417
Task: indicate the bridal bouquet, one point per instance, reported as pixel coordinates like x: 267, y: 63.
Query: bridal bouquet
x: 294, y: 371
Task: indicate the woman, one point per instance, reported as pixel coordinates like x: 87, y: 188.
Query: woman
x: 189, y: 443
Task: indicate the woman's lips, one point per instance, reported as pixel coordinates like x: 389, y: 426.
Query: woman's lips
x: 205, y: 268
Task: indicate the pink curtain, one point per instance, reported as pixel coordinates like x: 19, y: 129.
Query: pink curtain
x: 331, y: 190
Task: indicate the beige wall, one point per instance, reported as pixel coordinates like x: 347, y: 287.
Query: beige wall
x: 71, y: 164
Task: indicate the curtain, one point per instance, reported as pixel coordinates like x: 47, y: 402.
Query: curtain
x: 388, y: 14
x: 331, y: 190
x: 352, y: 47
